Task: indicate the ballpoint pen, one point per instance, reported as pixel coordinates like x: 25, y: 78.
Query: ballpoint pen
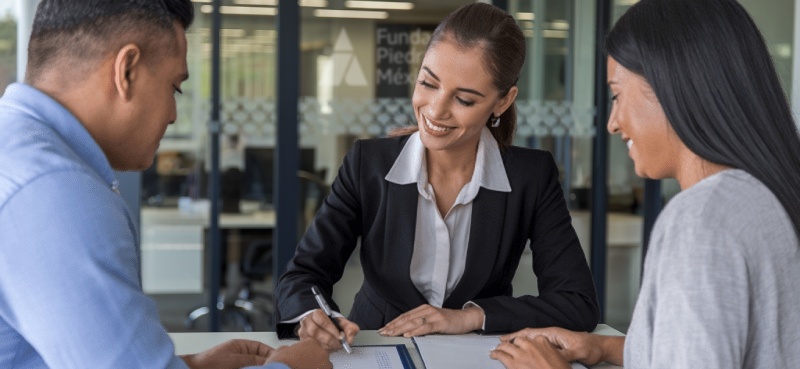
x: 327, y: 309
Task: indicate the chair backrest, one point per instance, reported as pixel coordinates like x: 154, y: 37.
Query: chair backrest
x: 257, y: 256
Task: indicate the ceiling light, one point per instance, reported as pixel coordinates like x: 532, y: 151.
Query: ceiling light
x: 558, y: 24
x: 240, y: 10
x: 361, y: 14
x: 256, y: 2
x: 314, y: 3
x: 390, y: 5
x: 525, y: 16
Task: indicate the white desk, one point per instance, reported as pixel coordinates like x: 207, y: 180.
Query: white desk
x: 172, y: 216
x: 189, y: 343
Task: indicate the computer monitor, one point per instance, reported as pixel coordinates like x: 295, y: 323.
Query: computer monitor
x: 257, y: 178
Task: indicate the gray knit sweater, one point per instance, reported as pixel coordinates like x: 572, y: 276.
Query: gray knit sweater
x: 721, y: 285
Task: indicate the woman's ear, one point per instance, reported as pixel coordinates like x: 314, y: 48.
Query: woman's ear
x: 504, y: 102
x: 126, y: 67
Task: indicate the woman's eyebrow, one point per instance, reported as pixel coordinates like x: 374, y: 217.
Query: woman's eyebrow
x: 467, y: 90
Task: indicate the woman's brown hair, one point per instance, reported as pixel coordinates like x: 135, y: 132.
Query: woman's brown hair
x: 497, y: 33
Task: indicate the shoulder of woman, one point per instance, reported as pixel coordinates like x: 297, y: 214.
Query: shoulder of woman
x: 382, y: 144
x: 732, y: 206
x: 525, y: 155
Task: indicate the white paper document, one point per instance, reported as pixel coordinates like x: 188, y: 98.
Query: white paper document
x: 373, y: 357
x: 469, y: 351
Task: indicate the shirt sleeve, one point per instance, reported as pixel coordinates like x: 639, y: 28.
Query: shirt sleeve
x: 323, y: 251
x: 701, y: 301
x: 70, y: 281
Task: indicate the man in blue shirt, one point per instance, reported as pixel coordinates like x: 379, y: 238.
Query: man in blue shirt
x: 98, y: 95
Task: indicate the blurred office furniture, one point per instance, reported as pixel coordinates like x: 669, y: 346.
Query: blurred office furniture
x: 231, y: 190
x: 172, y: 257
x: 173, y: 246
x: 624, y: 255
x: 172, y: 175
x: 258, y: 174
x: 249, y: 305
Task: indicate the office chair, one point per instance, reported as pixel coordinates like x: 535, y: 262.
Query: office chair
x: 249, y: 304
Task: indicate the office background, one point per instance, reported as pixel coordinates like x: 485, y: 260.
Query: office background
x: 356, y: 69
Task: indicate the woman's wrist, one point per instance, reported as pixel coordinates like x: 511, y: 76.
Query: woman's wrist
x: 610, y: 348
x: 476, y: 317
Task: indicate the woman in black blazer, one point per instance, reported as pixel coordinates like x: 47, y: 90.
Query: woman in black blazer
x: 445, y: 213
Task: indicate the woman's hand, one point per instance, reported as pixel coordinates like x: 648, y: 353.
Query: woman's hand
x: 524, y: 352
x: 573, y: 346
x: 319, y: 327
x: 427, y: 319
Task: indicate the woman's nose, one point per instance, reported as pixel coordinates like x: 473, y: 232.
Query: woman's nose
x: 612, y: 126
x: 437, y: 109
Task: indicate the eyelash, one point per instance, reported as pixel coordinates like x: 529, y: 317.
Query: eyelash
x: 426, y: 84
x: 178, y: 90
x: 464, y: 102
x: 614, y: 97
x: 460, y: 100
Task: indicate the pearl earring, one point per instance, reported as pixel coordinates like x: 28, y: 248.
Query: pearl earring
x: 496, y: 122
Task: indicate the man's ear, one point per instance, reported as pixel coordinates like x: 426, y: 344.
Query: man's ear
x: 126, y: 67
x: 504, y: 102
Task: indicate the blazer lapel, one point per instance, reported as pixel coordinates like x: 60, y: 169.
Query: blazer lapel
x: 485, y: 235
x: 401, y: 224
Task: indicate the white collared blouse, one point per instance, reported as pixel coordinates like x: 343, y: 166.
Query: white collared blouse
x: 441, y: 240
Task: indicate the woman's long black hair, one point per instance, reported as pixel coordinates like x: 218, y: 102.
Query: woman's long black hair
x: 711, y: 71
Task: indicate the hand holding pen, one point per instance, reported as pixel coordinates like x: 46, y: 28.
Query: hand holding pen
x: 332, y: 333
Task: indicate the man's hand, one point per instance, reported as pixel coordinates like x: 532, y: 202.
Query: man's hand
x: 232, y: 354
x: 524, y: 352
x: 306, y: 354
x: 427, y: 319
x: 319, y: 327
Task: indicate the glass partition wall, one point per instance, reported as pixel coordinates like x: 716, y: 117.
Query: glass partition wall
x: 357, y: 75
x: 357, y: 70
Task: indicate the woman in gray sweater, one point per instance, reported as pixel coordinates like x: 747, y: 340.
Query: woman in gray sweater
x: 696, y: 98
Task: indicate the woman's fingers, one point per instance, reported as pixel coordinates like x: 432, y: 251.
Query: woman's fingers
x: 350, y: 329
x: 408, y: 321
x: 427, y: 319
x: 319, y: 326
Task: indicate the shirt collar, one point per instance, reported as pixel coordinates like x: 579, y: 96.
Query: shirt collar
x: 45, y: 109
x: 490, y: 173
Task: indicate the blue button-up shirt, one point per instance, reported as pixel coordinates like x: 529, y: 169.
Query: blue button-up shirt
x: 70, y: 281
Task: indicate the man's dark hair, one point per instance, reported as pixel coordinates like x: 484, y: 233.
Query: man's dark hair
x: 711, y: 71
x: 80, y: 32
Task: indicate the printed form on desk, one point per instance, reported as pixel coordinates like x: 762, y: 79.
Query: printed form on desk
x: 469, y: 351
x: 373, y: 357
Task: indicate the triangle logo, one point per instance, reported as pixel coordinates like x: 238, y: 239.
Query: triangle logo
x: 346, y: 68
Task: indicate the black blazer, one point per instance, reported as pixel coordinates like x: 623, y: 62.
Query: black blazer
x: 363, y: 204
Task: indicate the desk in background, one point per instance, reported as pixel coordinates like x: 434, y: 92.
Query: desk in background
x: 173, y: 245
x: 189, y: 343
